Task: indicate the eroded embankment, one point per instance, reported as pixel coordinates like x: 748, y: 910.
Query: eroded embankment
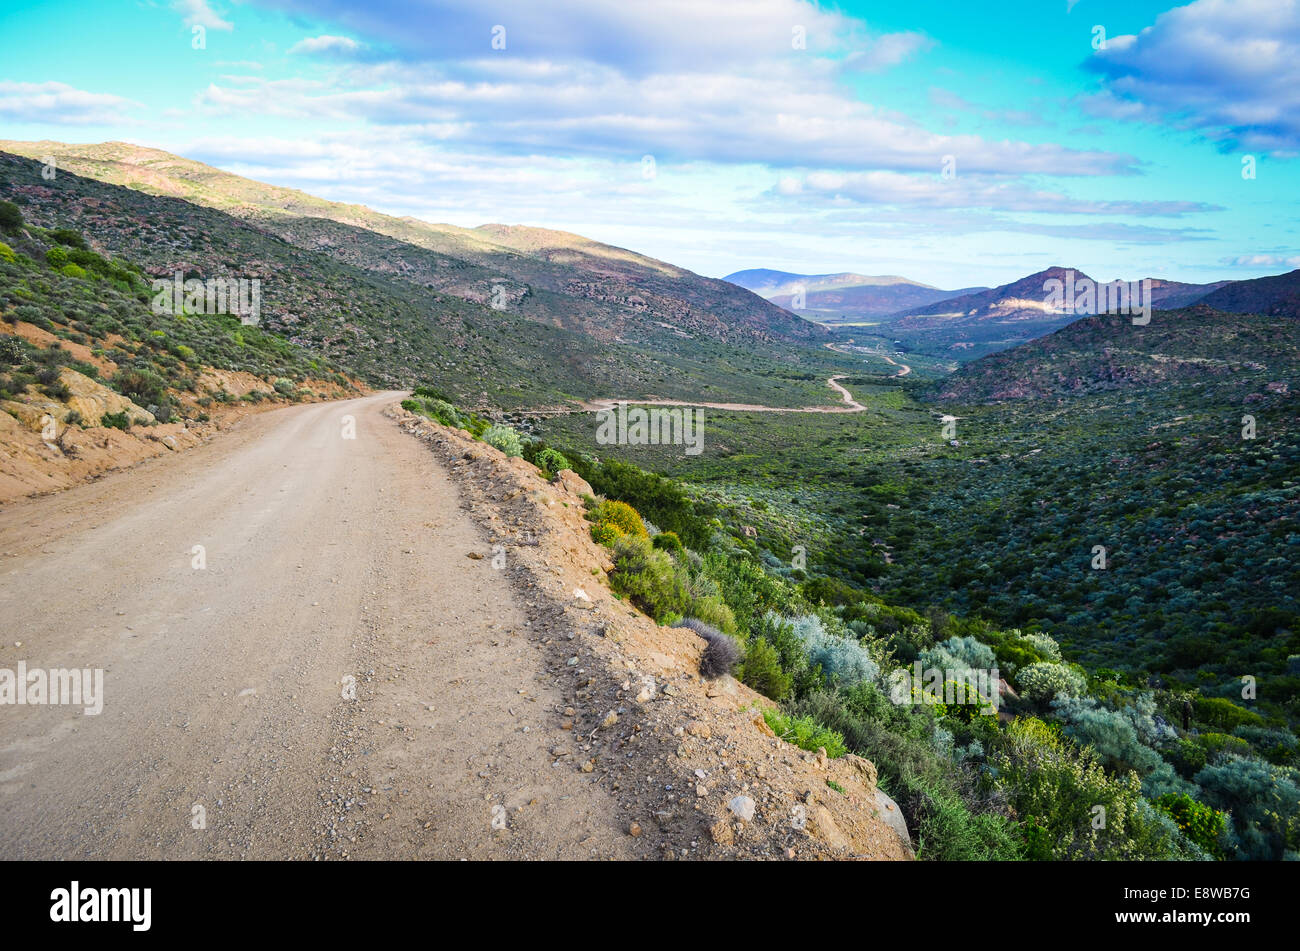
x: 675, y: 751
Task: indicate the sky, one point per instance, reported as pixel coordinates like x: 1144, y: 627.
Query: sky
x: 952, y: 143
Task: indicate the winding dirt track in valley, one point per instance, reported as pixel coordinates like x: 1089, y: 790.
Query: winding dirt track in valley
x: 904, y: 369
x: 850, y: 404
x: 325, y: 558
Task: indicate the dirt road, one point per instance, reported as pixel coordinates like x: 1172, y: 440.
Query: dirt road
x: 326, y: 558
x: 903, y: 368
x: 850, y: 405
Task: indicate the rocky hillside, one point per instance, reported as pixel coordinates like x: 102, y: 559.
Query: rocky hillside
x: 1096, y: 354
x: 548, y: 276
x: 91, y: 378
x: 366, y: 302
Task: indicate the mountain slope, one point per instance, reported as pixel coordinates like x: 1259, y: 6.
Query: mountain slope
x: 986, y: 320
x: 371, y: 304
x: 1172, y: 295
x: 1278, y: 295
x: 618, y: 293
x: 1105, y: 352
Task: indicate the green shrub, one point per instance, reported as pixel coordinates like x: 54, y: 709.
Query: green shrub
x: 1277, y: 746
x: 1225, y: 714
x: 1057, y: 790
x: 749, y: 590
x: 761, y: 670
x: 430, y: 393
x: 949, y: 830
x: 1044, y: 681
x: 116, y: 421
x: 505, y: 439
x: 661, y: 500
x: 1218, y: 744
x: 6, y: 253
x: 604, y: 533
x: 11, y: 216
x: 669, y: 542
x: 56, y: 257
x: 650, y: 579
x: 779, y: 633
x: 69, y: 237
x: 711, y: 609
x: 142, y: 387
x: 550, y: 461
x: 1203, y: 824
x: 436, y: 408
x: 943, y: 808
x: 1187, y: 757
x: 832, y: 591
x: 805, y: 733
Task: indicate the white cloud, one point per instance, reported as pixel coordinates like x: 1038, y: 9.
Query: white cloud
x: 1229, y: 69
x: 965, y: 191
x: 787, y: 116
x: 1266, y: 260
x: 325, y: 44
x: 61, y: 104
x: 887, y: 51
x: 637, y: 38
x: 198, y: 13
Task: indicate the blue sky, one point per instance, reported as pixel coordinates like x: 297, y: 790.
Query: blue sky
x: 780, y: 133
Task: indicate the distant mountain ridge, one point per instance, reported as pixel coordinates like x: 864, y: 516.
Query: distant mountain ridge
x: 972, y: 325
x: 967, y: 323
x: 841, y: 297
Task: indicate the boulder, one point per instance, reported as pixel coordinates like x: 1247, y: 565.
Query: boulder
x: 92, y: 400
x: 893, y: 816
x: 30, y: 415
x: 822, y: 824
x: 573, y: 483
x: 864, y: 768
